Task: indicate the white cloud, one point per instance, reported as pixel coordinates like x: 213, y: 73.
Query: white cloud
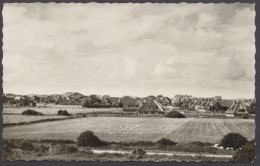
x: 129, y: 48
x: 131, y: 66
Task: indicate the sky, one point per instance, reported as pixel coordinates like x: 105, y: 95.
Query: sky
x: 146, y: 49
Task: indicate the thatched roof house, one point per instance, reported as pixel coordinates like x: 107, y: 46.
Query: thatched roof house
x: 206, y: 105
x: 165, y: 101
x: 236, y: 109
x: 151, y: 107
x: 132, y: 104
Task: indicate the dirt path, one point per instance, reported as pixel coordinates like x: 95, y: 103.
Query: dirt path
x: 98, y: 151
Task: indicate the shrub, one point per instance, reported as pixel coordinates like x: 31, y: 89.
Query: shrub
x: 9, y: 144
x: 138, y: 143
x: 63, y: 113
x: 245, y: 116
x: 139, y: 153
x: 41, y: 149
x: 67, y: 149
x: 31, y: 112
x: 88, y: 138
x: 246, y: 154
x: 55, y: 142
x: 26, y: 145
x: 166, y: 142
x: 175, y: 114
x: 7, y: 147
x: 200, y: 144
x: 233, y: 140
x: 7, y: 150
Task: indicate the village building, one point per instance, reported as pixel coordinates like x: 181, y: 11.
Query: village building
x: 236, y: 109
x: 132, y: 104
x: 151, y: 107
x: 165, y: 101
x: 206, y: 105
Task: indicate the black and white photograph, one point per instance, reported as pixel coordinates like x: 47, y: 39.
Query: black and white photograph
x: 129, y: 82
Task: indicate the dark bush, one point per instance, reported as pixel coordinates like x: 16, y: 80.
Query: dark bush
x: 246, y: 154
x: 233, y: 140
x: 63, y: 113
x: 88, y: 138
x: 175, y: 114
x: 166, y: 142
x: 245, y: 116
x: 138, y: 153
x: 31, y: 112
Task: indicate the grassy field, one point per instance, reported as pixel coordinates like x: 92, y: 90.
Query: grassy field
x: 18, y: 118
x: 54, y: 109
x: 136, y: 128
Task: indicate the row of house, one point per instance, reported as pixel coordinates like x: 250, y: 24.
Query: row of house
x: 149, y: 104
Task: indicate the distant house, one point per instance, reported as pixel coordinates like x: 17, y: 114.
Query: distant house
x: 165, y: 101
x: 132, y: 104
x: 19, y: 98
x: 236, y: 109
x: 151, y: 107
x: 194, y: 105
x: 206, y: 105
x: 32, y: 103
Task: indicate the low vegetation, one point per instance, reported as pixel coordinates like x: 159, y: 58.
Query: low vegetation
x: 246, y: 153
x: 139, y: 153
x: 175, y: 114
x: 166, y: 142
x: 233, y: 140
x: 31, y: 112
x: 67, y: 149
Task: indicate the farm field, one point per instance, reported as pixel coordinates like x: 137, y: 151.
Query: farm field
x: 53, y: 109
x: 136, y: 129
x: 18, y: 118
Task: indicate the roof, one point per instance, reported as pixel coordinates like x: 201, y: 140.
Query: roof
x: 132, y: 102
x: 152, y: 106
x: 236, y: 108
x: 225, y: 102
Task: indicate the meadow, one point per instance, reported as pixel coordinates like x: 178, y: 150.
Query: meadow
x: 53, y: 109
x: 135, y: 129
x: 18, y: 118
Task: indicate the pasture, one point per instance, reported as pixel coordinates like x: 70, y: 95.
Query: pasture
x: 136, y: 129
x: 53, y: 109
x: 18, y: 118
